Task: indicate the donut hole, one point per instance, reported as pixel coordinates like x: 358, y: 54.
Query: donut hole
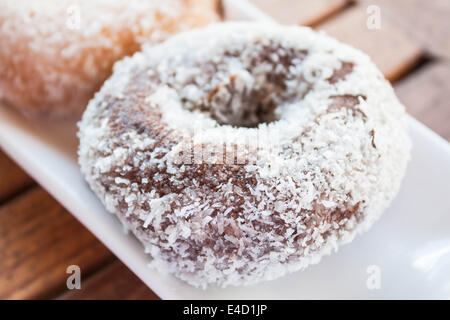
x: 247, y: 86
x: 240, y: 105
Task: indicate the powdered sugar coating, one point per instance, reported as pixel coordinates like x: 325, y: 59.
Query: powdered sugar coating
x: 55, y: 54
x: 330, y: 151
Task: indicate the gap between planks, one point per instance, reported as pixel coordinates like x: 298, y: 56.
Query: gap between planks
x: 303, y: 12
x: 39, y: 239
x: 13, y: 179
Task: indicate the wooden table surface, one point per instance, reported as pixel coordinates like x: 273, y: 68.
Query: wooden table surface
x: 39, y: 239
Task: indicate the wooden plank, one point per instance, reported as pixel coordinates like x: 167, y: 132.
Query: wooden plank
x: 392, y: 50
x: 427, y: 22
x: 112, y: 283
x: 38, y: 241
x: 304, y: 12
x: 426, y: 95
x: 12, y: 178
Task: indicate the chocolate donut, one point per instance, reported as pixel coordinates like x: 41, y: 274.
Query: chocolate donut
x: 244, y: 151
x: 55, y: 55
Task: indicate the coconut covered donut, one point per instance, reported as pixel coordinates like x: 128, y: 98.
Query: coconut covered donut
x: 244, y: 151
x: 55, y: 54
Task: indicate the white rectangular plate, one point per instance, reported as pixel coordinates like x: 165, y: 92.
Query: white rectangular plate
x: 409, y: 246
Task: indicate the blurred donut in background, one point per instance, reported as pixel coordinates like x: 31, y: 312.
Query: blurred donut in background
x: 55, y: 55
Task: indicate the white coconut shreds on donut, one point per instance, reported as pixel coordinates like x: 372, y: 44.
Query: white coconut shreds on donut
x: 54, y: 55
x: 244, y: 151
